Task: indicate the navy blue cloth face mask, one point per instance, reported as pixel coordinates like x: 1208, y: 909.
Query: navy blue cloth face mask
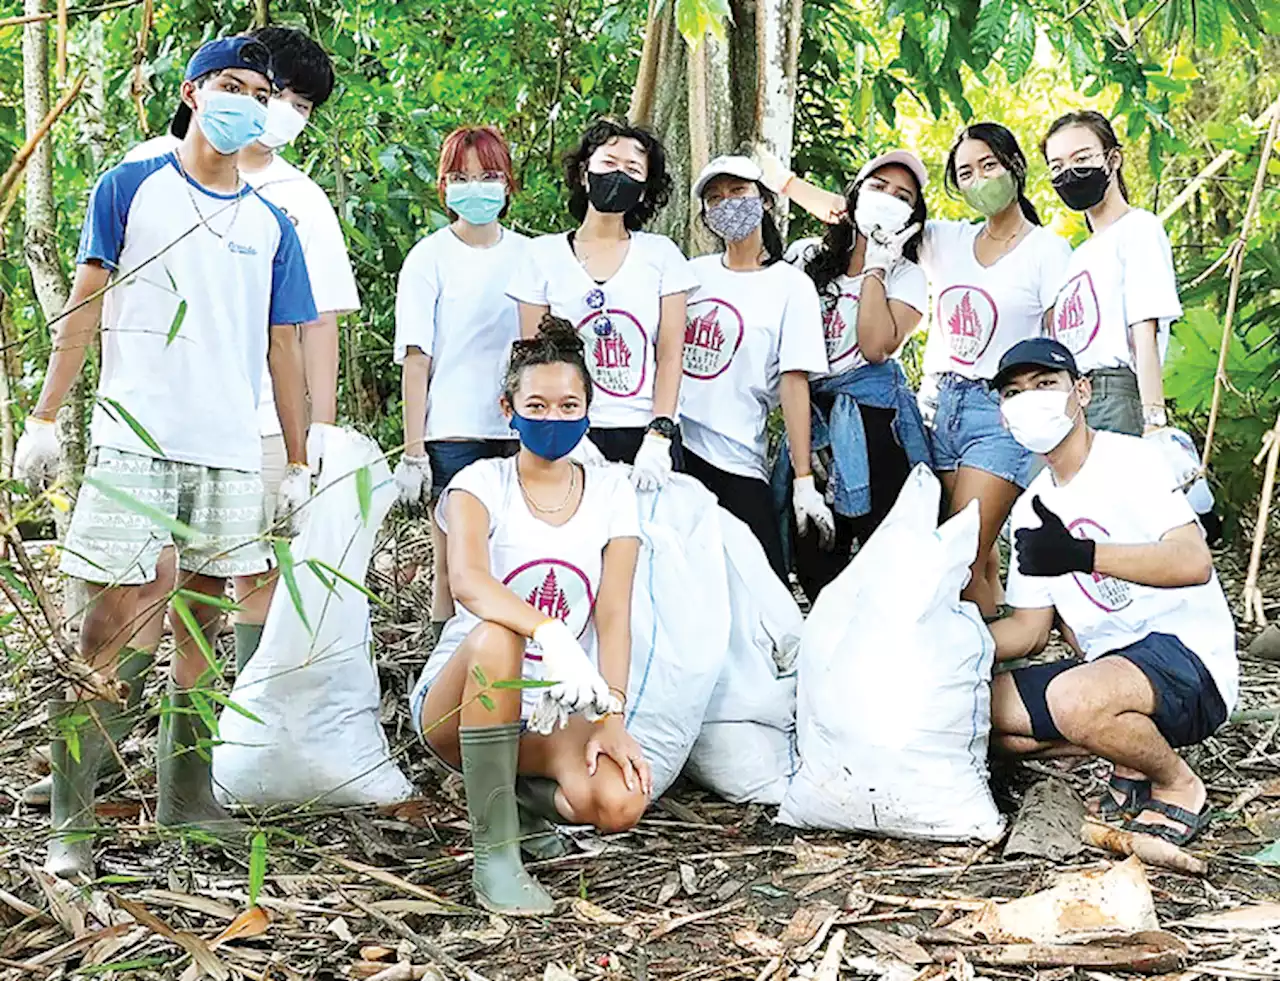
x: 549, y: 438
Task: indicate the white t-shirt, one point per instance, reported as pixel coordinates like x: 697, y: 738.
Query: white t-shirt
x: 1119, y: 276
x: 239, y: 271
x: 744, y: 329
x: 1126, y: 494
x: 305, y: 204
x: 556, y: 569
x: 979, y: 312
x: 906, y: 283
x: 451, y: 301
x: 618, y: 319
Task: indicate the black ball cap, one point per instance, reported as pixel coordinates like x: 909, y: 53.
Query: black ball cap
x: 1034, y: 352
x: 219, y: 55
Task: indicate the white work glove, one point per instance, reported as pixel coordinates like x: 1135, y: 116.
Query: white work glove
x: 317, y: 436
x: 413, y: 483
x: 36, y: 455
x: 884, y: 249
x: 774, y: 174
x: 811, y: 508
x: 295, y: 491
x: 653, y: 463
x: 578, y: 685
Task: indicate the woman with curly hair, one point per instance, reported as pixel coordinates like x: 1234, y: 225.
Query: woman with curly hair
x: 623, y: 289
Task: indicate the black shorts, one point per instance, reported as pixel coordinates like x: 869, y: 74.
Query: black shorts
x: 1189, y: 708
x: 748, y: 499
x: 448, y: 456
x: 621, y: 444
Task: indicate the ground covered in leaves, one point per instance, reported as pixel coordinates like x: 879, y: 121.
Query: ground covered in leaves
x: 700, y: 891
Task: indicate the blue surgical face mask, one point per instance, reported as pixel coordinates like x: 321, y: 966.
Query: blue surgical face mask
x: 549, y: 438
x: 476, y: 202
x: 229, y: 122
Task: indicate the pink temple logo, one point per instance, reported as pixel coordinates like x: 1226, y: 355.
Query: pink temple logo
x: 549, y: 598
x: 1076, y: 317
x: 840, y: 329
x: 618, y: 360
x: 1103, y: 592
x: 712, y: 335
x: 968, y: 317
x: 555, y: 588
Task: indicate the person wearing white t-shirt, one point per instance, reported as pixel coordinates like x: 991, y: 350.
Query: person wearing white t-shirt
x: 304, y: 79
x: 623, y: 289
x: 754, y: 337
x: 199, y: 283
x: 1104, y: 539
x: 1120, y: 295
x: 874, y: 295
x: 542, y: 553
x: 454, y: 326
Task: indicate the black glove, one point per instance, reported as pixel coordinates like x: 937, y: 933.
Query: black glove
x: 1051, y: 550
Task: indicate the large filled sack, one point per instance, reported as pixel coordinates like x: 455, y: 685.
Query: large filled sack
x: 313, y: 684
x: 746, y: 751
x: 894, y: 702
x: 679, y: 623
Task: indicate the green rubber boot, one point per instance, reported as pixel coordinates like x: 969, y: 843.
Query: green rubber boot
x: 134, y: 667
x: 489, y: 776
x: 183, y: 774
x: 539, y: 839
x: 73, y: 782
x: 248, y: 636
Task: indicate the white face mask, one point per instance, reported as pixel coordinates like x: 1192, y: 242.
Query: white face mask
x: 1038, y: 419
x: 875, y: 209
x: 284, y: 123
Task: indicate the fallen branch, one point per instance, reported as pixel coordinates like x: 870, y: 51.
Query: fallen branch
x: 19, y: 163
x: 1146, y: 953
x: 435, y: 953
x: 1152, y: 851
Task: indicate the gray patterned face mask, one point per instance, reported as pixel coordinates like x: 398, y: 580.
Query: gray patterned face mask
x: 733, y: 219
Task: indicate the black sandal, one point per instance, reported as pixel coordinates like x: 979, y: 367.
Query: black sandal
x: 1135, y: 795
x: 1195, y: 822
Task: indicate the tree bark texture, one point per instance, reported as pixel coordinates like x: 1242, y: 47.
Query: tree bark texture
x: 716, y: 97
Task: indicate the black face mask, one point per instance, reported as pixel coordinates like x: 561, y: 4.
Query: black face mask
x: 1082, y: 188
x: 613, y: 192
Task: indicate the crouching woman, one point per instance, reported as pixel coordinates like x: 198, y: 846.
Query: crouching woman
x: 541, y: 554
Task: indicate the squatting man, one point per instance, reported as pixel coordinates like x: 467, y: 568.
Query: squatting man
x: 1105, y: 540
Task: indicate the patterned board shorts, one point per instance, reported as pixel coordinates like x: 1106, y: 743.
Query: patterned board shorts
x: 113, y: 543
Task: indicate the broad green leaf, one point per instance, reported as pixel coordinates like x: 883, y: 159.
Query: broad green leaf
x: 257, y: 866
x: 284, y: 561
x: 991, y: 26
x: 697, y: 18
x: 936, y: 35
x: 1020, y: 45
x: 175, y: 527
x: 364, y: 492
x: 132, y: 423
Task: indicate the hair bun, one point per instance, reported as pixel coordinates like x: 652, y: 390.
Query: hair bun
x: 559, y: 332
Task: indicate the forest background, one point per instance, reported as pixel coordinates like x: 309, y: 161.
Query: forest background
x: 1189, y: 84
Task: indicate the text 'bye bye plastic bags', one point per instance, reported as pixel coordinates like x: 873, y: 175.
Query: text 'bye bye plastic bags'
x: 894, y: 702
x: 316, y: 690
x: 679, y: 623
x: 746, y: 751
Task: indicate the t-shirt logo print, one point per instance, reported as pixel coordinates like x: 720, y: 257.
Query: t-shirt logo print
x: 1104, y: 592
x: 840, y: 328
x: 712, y: 336
x: 556, y: 589
x: 1076, y: 317
x: 618, y: 359
x: 968, y: 317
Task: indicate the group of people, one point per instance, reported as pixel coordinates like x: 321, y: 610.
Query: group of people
x: 526, y: 359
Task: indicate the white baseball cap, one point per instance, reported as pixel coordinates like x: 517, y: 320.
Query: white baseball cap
x: 732, y: 166
x: 903, y: 158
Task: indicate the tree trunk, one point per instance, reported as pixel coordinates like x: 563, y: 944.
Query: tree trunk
x: 716, y: 97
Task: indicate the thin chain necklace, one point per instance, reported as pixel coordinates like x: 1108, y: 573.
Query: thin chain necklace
x: 986, y: 230
x: 186, y: 182
x: 573, y: 484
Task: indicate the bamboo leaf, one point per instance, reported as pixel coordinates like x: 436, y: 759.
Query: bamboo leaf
x: 224, y: 603
x: 478, y: 673
x: 222, y: 699
x: 284, y: 560
x: 179, y: 316
x: 175, y: 526
x: 183, y: 609
x: 317, y: 564
x: 486, y: 701
x: 138, y: 429
x: 257, y: 866
x: 364, y: 492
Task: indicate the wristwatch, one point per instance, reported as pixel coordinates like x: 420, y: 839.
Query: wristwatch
x: 1155, y: 415
x: 663, y: 426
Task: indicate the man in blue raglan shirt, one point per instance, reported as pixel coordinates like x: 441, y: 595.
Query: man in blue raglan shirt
x: 197, y: 282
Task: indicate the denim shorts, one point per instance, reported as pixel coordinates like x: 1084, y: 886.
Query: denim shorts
x: 1189, y: 708
x: 450, y: 456
x: 1116, y: 406
x: 969, y: 432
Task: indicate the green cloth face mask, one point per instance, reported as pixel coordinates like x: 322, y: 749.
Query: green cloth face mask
x: 990, y: 195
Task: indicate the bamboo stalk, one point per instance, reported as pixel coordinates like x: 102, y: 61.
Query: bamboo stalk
x: 21, y: 19
x: 138, y: 85
x: 1237, y: 264
x: 60, y: 61
x: 1253, y: 612
x: 20, y: 158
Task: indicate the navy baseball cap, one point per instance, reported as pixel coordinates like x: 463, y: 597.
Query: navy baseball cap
x: 1035, y: 352
x: 219, y: 55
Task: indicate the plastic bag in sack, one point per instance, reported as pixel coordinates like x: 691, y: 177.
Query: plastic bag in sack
x: 316, y: 691
x: 679, y: 623
x: 746, y: 751
x: 894, y: 702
